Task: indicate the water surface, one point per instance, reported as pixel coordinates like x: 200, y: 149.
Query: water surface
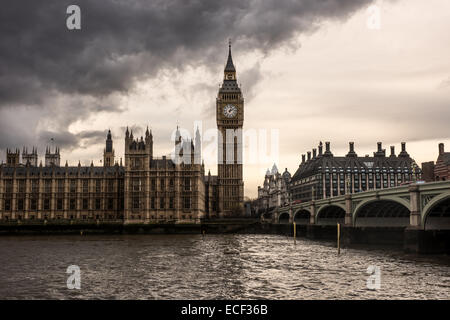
x: 214, y: 267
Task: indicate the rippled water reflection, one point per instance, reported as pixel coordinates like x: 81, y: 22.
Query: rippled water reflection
x: 216, y: 267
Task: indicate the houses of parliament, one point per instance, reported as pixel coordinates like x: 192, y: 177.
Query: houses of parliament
x: 145, y: 188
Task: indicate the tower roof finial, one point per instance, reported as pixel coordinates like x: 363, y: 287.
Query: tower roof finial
x: 230, y: 66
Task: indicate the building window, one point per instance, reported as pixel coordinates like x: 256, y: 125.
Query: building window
x: 136, y: 203
x: 171, y: 203
x: 187, y: 184
x: 110, y: 204
x: 85, y: 204
x: 33, y: 204
x: 21, y: 186
x: 153, y: 184
x: 35, y: 186
x: 48, y: 186
x: 162, y: 204
x: 7, y: 204
x: 137, y: 163
x: 59, y: 204
x: 98, y: 186
x: 46, y: 204
x: 72, y: 204
x: 98, y: 202
x: 187, y: 203
x: 153, y: 203
x: 20, y: 204
x: 73, y: 185
x: 8, y: 186
x: 111, y: 186
x: 61, y: 186
x: 85, y: 185
x: 163, y: 185
x: 136, y: 184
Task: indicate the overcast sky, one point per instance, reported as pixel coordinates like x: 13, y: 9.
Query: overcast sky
x: 310, y: 70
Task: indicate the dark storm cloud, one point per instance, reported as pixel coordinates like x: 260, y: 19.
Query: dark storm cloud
x: 67, y: 140
x: 124, y: 41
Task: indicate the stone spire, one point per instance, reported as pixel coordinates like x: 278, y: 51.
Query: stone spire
x: 230, y: 65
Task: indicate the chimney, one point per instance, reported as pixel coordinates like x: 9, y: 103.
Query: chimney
x: 380, y: 152
x: 327, y: 149
x: 392, y: 151
x: 314, y: 153
x: 403, y: 153
x: 303, y: 158
x: 351, y: 151
x: 309, y: 155
x: 320, y: 148
x: 441, y: 149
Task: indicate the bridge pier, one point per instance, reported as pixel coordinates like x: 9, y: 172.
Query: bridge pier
x: 426, y: 241
x: 312, y: 217
x: 348, y: 210
x: 291, y: 217
x: 415, y: 212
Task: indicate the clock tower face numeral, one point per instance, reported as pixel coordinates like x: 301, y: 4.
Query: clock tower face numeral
x: 229, y: 111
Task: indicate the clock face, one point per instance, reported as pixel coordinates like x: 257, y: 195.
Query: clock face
x: 229, y: 76
x: 229, y: 111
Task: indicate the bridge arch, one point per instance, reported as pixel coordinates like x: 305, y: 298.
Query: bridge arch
x: 390, y: 212
x: 330, y: 214
x: 283, y: 217
x: 436, y: 213
x: 302, y: 216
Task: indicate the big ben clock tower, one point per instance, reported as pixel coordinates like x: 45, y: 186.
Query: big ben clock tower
x: 230, y: 119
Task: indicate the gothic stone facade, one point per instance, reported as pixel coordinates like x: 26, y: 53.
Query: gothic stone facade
x: 274, y: 192
x: 145, y: 188
x: 225, y: 196
x: 159, y: 188
x: 41, y: 193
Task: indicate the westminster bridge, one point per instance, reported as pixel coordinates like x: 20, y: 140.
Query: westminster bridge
x: 424, y: 206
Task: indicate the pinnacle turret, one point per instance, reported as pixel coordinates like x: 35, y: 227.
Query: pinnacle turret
x: 230, y: 65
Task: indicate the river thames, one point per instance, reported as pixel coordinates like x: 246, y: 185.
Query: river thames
x: 213, y: 267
